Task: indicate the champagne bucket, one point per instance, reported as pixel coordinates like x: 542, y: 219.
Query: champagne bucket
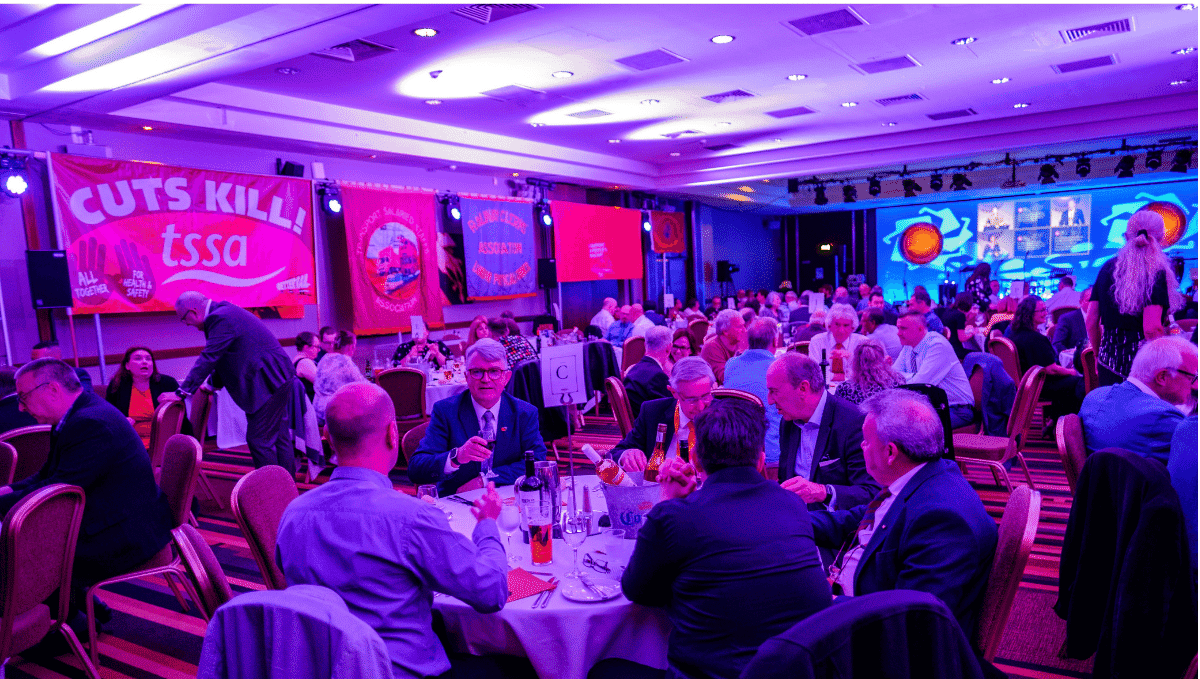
x: 628, y: 506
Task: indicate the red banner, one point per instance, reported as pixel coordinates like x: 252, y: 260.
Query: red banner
x: 138, y: 234
x: 666, y: 232
x: 391, y: 241
x: 594, y: 242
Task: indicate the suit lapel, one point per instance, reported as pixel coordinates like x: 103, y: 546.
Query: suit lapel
x: 466, y: 417
x: 789, y: 443
x: 506, y: 425
x: 887, y: 521
x: 822, y: 436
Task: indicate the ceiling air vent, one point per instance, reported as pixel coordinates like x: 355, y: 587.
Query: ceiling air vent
x: 590, y: 113
x: 356, y: 50
x: 486, y: 14
x: 515, y: 94
x: 652, y: 59
x: 731, y: 95
x: 902, y: 99
x: 1083, y: 64
x: 722, y: 147
x: 676, y: 135
x: 789, y: 112
x: 823, y: 23
x: 885, y: 65
x: 946, y: 115
x: 1096, y: 31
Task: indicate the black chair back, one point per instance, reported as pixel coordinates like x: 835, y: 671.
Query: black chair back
x: 937, y: 396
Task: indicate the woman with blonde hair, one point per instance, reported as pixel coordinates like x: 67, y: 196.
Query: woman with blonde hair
x: 478, y: 330
x: 1134, y: 294
x: 871, y: 373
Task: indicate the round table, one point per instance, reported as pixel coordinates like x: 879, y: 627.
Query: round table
x: 437, y: 391
x: 565, y: 639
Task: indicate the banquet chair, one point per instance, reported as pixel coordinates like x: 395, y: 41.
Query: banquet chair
x: 1068, y: 434
x: 698, y: 329
x: 1006, y: 351
x: 181, y: 464
x: 633, y: 351
x: 799, y: 347
x: 33, y: 449
x: 8, y: 463
x: 1018, y: 527
x: 412, y: 439
x: 38, y: 543
x: 738, y: 393
x: 457, y: 349
x: 1057, y: 314
x: 976, y: 379
x: 994, y: 451
x: 168, y: 421
x: 406, y: 387
x: 258, y: 501
x: 614, y: 388
x: 1091, y: 378
x: 941, y: 405
x: 201, y: 407
x: 212, y: 587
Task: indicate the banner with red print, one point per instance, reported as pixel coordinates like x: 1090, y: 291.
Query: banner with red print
x: 391, y: 243
x: 138, y: 234
x: 667, y: 232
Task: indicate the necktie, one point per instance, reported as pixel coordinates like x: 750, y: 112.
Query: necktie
x: 837, y: 365
x: 869, y: 516
x: 488, y: 431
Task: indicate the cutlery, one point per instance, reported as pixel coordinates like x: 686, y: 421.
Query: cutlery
x: 545, y: 594
x: 550, y: 593
x: 588, y: 583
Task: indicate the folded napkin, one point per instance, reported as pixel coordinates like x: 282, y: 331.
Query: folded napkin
x: 522, y: 583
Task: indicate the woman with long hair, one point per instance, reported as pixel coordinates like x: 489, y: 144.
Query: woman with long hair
x: 872, y: 372
x: 1063, y: 388
x: 1134, y: 294
x: 478, y: 330
x: 682, y: 346
x: 335, y: 371
x: 135, y: 389
x: 980, y: 285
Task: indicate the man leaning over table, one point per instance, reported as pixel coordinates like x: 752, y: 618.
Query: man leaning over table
x: 733, y: 562
x: 384, y: 552
x: 455, y: 443
x: 691, y: 385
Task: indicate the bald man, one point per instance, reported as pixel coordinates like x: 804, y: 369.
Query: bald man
x: 605, y: 317
x: 639, y: 323
x: 386, y: 552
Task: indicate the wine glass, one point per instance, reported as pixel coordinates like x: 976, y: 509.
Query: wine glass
x: 430, y: 490
x: 574, y: 532
x: 508, y: 522
x: 488, y: 435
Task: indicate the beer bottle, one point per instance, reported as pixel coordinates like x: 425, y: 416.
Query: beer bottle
x: 608, y: 471
x: 535, y: 502
x: 657, y: 457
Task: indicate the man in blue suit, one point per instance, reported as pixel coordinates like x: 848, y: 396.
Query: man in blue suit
x: 1140, y: 414
x: 456, y: 442
x: 926, y: 530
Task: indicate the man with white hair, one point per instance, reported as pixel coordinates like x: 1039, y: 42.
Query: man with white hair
x: 646, y: 380
x: 481, y: 424
x: 639, y: 322
x: 729, y: 333
x: 774, y: 308
x: 604, y: 317
x: 691, y: 387
x: 837, y: 344
x: 791, y: 301
x: 1141, y: 413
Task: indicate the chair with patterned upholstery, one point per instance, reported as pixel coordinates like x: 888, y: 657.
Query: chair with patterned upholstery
x: 8, y: 463
x: 633, y: 351
x: 412, y: 439
x: 1004, y: 349
x: 33, y: 449
x: 258, y: 501
x: 614, y: 388
x: 994, y: 451
x: 212, y: 587
x: 1068, y: 434
x: 168, y: 421
x: 1018, y: 527
x: 38, y: 543
x: 1091, y: 377
x: 738, y: 394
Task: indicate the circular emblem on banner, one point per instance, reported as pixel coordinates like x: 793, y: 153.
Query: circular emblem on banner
x: 1173, y: 221
x: 394, y: 260
x: 921, y: 243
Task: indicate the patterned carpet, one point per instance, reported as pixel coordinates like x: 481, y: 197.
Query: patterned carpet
x: 149, y: 636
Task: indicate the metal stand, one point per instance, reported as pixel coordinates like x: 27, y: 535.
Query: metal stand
x: 569, y: 403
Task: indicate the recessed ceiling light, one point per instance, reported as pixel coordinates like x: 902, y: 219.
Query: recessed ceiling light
x: 561, y: 74
x: 373, y: 156
x: 1187, y: 7
x: 433, y: 102
x: 1022, y: 105
x: 147, y: 128
x: 614, y: 141
x: 1185, y: 50
x: 425, y: 32
x: 999, y: 81
x: 722, y: 39
x: 778, y: 140
x: 516, y: 174
x: 287, y: 70
x: 650, y: 102
x: 1180, y: 82
x: 849, y: 104
x: 674, y: 154
x: 797, y: 76
x: 963, y: 41
x: 723, y: 124
x: 889, y: 124
x: 746, y: 189
x: 766, y: 181
x: 538, y: 124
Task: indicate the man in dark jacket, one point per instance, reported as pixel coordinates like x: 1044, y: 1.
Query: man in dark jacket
x: 646, y: 379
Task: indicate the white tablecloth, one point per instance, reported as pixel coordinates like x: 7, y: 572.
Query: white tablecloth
x: 231, y: 422
x: 565, y: 639
x: 439, y: 392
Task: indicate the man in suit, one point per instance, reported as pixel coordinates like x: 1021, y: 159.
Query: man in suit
x: 11, y: 415
x: 646, y: 379
x: 922, y: 302
x: 926, y: 530
x: 1141, y: 414
x: 874, y: 327
x: 691, y: 386
x: 51, y: 349
x: 820, y: 437
x: 1071, y: 329
x: 250, y: 363
x: 728, y: 585
x: 126, y: 518
x: 461, y: 427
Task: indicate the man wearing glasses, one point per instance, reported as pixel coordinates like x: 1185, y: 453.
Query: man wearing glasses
x: 1141, y: 413
x: 691, y: 386
x: 481, y: 426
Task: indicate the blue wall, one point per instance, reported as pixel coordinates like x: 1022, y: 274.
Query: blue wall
x: 756, y: 249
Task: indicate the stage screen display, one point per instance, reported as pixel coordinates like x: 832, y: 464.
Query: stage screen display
x: 595, y: 242
x: 1032, y: 238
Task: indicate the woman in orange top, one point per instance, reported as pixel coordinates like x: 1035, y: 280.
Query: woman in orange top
x: 135, y: 389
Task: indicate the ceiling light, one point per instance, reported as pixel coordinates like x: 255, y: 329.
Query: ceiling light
x: 1083, y: 166
x: 650, y: 102
x: 674, y: 154
x: 849, y: 104
x: 873, y: 187
x: 331, y: 199
x: 1185, y: 50
x: 516, y: 174
x: 849, y: 193
x: 724, y: 124
x: 646, y: 225
x: 1124, y: 168
x: 935, y: 181
x: 147, y: 128
x: 889, y: 124
x: 911, y: 188
x: 373, y: 156
x: 746, y: 189
x: 13, y: 180
x: 287, y: 70
x: 1022, y: 105
x: 797, y: 76
x: 433, y: 102
x: 999, y: 81
x: 453, y: 211
x: 1047, y: 174
x: 1154, y: 159
x: 777, y: 140
x: 614, y: 141
x: 1187, y: 7
x: 820, y: 198
x: 1180, y: 82
x: 538, y: 124
x: 561, y: 74
x: 543, y: 208
x: 722, y: 39
x: 1183, y: 158
x: 963, y: 41
x: 425, y: 32
x: 959, y: 182
x: 99, y: 29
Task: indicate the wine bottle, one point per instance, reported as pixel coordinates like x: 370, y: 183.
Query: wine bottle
x: 370, y: 372
x: 684, y: 450
x: 657, y: 457
x: 608, y: 471
x: 535, y: 504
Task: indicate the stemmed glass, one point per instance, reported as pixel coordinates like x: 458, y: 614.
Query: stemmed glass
x: 574, y: 532
x: 486, y: 465
x: 430, y: 490
x: 508, y: 522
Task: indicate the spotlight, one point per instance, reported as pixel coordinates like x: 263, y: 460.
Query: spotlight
x: 1154, y: 159
x: 873, y: 187
x: 793, y: 186
x: 935, y: 182
x: 820, y: 198
x: 1047, y: 175
x: 959, y: 182
x: 1083, y: 166
x: 1183, y: 158
x: 849, y: 193
x: 911, y: 188
x: 453, y: 210
x: 1125, y: 167
x: 14, y: 180
x: 542, y: 208
x: 331, y: 199
x: 646, y: 221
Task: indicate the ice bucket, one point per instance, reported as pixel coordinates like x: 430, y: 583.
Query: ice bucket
x: 628, y: 506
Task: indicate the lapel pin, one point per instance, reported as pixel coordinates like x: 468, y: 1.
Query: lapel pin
x: 503, y: 428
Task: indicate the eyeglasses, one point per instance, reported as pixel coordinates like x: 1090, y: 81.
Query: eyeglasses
x: 492, y: 373
x: 1184, y: 372
x: 706, y: 399
x: 24, y: 398
x: 684, y: 347
x: 184, y: 317
x: 596, y: 564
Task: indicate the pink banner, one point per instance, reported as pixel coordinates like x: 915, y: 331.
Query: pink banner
x: 138, y: 234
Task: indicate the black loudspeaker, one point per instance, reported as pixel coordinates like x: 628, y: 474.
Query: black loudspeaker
x: 547, y: 273
x: 725, y: 271
x: 49, y: 279
x: 286, y: 168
